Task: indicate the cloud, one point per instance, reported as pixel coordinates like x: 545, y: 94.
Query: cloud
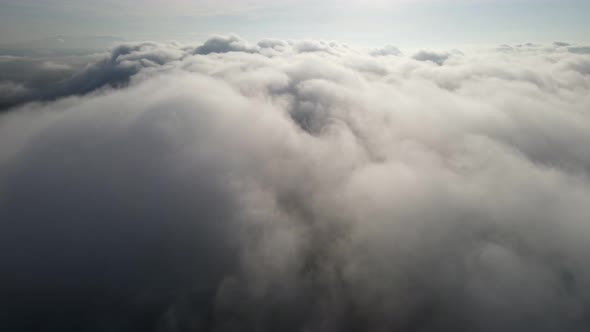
x: 27, y: 79
x: 285, y: 187
x: 579, y: 49
x: 21, y: 78
x: 272, y: 43
x: 387, y: 50
x: 49, y: 78
x: 438, y: 58
x: 224, y: 44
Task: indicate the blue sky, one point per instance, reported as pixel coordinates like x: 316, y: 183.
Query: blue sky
x: 366, y: 23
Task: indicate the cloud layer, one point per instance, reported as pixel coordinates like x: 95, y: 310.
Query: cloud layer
x: 299, y: 186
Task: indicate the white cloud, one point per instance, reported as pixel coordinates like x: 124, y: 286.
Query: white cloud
x: 305, y: 185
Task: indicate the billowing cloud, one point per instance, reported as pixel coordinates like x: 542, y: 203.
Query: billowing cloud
x: 438, y: 58
x: 580, y: 49
x: 224, y: 44
x: 51, y: 78
x: 299, y: 186
x: 387, y: 50
x: 23, y: 78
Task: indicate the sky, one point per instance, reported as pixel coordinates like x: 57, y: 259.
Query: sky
x: 366, y: 23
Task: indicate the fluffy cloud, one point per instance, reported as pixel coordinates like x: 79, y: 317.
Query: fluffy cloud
x: 23, y: 78
x: 300, y: 186
x: 48, y: 78
x: 438, y: 58
x: 387, y: 50
x: 224, y: 44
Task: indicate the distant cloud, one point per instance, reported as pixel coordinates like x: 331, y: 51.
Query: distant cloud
x: 272, y: 43
x: 387, y: 50
x: 438, y: 58
x: 580, y: 49
x: 224, y: 44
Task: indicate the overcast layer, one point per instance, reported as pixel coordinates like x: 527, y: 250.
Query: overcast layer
x: 296, y: 186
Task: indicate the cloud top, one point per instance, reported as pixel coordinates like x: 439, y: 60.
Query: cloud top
x: 297, y: 186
